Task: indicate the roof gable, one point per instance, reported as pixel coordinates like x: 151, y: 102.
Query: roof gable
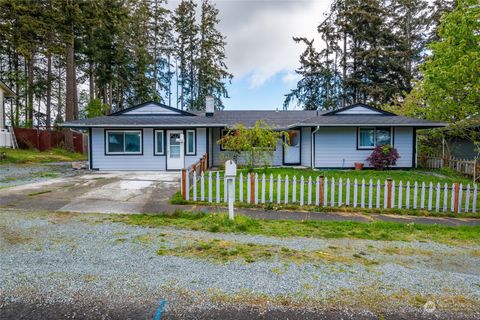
x: 152, y: 108
x: 359, y: 108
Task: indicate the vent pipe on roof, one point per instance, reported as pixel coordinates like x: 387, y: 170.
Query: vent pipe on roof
x: 209, y: 106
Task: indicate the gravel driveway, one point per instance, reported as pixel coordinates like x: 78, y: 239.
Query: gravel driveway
x: 85, y: 266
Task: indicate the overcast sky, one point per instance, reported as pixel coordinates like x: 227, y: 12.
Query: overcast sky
x: 260, y: 51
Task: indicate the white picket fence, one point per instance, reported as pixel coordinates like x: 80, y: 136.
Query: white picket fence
x: 211, y: 187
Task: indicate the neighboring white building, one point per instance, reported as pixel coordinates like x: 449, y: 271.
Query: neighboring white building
x: 153, y: 136
x: 5, y: 136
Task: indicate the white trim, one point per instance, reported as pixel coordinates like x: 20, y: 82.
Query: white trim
x: 123, y: 153
x: 155, y: 144
x: 194, y: 142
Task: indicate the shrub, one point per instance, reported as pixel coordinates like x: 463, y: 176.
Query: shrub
x: 383, y: 157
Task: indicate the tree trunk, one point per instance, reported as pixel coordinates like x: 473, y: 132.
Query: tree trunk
x: 29, y: 114
x: 91, y: 82
x: 48, y: 122
x: 70, y: 93
x: 16, y: 120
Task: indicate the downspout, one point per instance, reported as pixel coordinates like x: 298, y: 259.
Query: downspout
x: 313, y: 147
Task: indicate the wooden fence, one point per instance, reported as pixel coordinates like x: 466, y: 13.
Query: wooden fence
x: 320, y: 191
x: 191, y: 173
x: 467, y: 167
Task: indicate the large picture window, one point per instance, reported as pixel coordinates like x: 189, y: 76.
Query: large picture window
x: 123, y: 142
x: 369, y: 138
x: 191, y: 139
x: 159, y: 142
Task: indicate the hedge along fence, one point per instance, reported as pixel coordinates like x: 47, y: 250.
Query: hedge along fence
x: 211, y: 188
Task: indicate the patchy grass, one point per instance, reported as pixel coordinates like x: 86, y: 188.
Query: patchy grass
x: 32, y: 156
x: 13, y: 237
x: 224, y: 251
x: 39, y: 193
x: 377, y: 230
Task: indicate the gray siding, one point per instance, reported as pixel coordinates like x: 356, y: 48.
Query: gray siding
x: 146, y: 162
x: 306, y: 147
x: 337, y: 147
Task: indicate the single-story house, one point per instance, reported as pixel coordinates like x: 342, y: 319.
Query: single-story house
x: 153, y: 136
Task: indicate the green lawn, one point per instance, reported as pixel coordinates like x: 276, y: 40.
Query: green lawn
x: 376, y: 230
x: 439, y: 176
x: 32, y: 156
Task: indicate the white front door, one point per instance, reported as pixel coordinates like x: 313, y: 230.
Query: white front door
x: 175, y: 155
x: 291, y: 152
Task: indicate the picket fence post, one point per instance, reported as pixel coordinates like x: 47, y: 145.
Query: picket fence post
x: 407, y: 196
x: 249, y: 187
x: 194, y: 186
x: 279, y: 188
x: 202, y: 186
x: 422, y: 199
x: 332, y: 193
x: 217, y: 187
x: 445, y: 197
x: 467, y: 198
x: 184, y: 183
x: 355, y: 191
x: 340, y: 187
x: 393, y: 195
x: 385, y: 195
x: 270, y: 189
x: 225, y: 189
x: 400, y: 195
x: 317, y: 191
x: 437, y: 198
x: 302, y: 190
x: 252, y: 188
x: 460, y: 197
x: 370, y: 194
x: 325, y: 192
x: 347, y: 193
x: 474, y: 203
x: 377, y: 205
x: 415, y: 192
x: 263, y: 188
x: 286, y: 189
x: 309, y: 195
x: 455, y: 197
x: 240, y: 187
x: 320, y: 191
x: 294, y: 189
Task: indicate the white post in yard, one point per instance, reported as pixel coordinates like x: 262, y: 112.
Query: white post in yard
x: 225, y: 189
x: 393, y: 194
x: 355, y: 193
x: 240, y: 187
x: 340, y: 187
x: 385, y: 195
x: 370, y: 194
x: 362, y: 199
x: 317, y: 191
x: 400, y: 195
x: 309, y: 195
x: 217, y: 196
x: 377, y: 200
x: 407, y: 196
x: 210, y: 186
x: 271, y: 189
x: 194, y: 185
x: 286, y: 189
x: 279, y: 188
x: 445, y: 197
x: 230, y: 174
x: 263, y: 188
x: 202, y: 186
x: 347, y: 193
x: 460, y: 194
x: 332, y: 193
x: 294, y: 189
x: 302, y: 190
x: 415, y: 193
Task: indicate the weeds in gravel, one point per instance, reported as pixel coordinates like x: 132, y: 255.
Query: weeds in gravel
x: 376, y: 230
x: 223, y: 251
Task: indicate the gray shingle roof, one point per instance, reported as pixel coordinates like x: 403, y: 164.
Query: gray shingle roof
x: 229, y: 118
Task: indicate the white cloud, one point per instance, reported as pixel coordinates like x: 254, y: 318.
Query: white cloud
x: 291, y: 78
x: 259, y: 34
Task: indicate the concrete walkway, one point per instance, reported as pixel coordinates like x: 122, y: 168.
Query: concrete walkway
x: 150, y: 192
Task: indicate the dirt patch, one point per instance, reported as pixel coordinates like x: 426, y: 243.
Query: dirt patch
x: 13, y: 237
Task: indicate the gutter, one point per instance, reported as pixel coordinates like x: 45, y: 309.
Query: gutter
x: 312, y: 142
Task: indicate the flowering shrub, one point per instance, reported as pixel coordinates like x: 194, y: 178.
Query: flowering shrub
x: 383, y: 157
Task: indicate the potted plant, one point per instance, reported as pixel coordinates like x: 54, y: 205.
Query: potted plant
x: 358, y: 166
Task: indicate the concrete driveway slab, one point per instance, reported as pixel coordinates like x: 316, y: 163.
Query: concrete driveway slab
x: 110, y: 192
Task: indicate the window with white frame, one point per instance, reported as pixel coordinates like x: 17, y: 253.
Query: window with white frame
x: 371, y: 137
x: 191, y: 139
x: 123, y: 142
x: 159, y: 142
